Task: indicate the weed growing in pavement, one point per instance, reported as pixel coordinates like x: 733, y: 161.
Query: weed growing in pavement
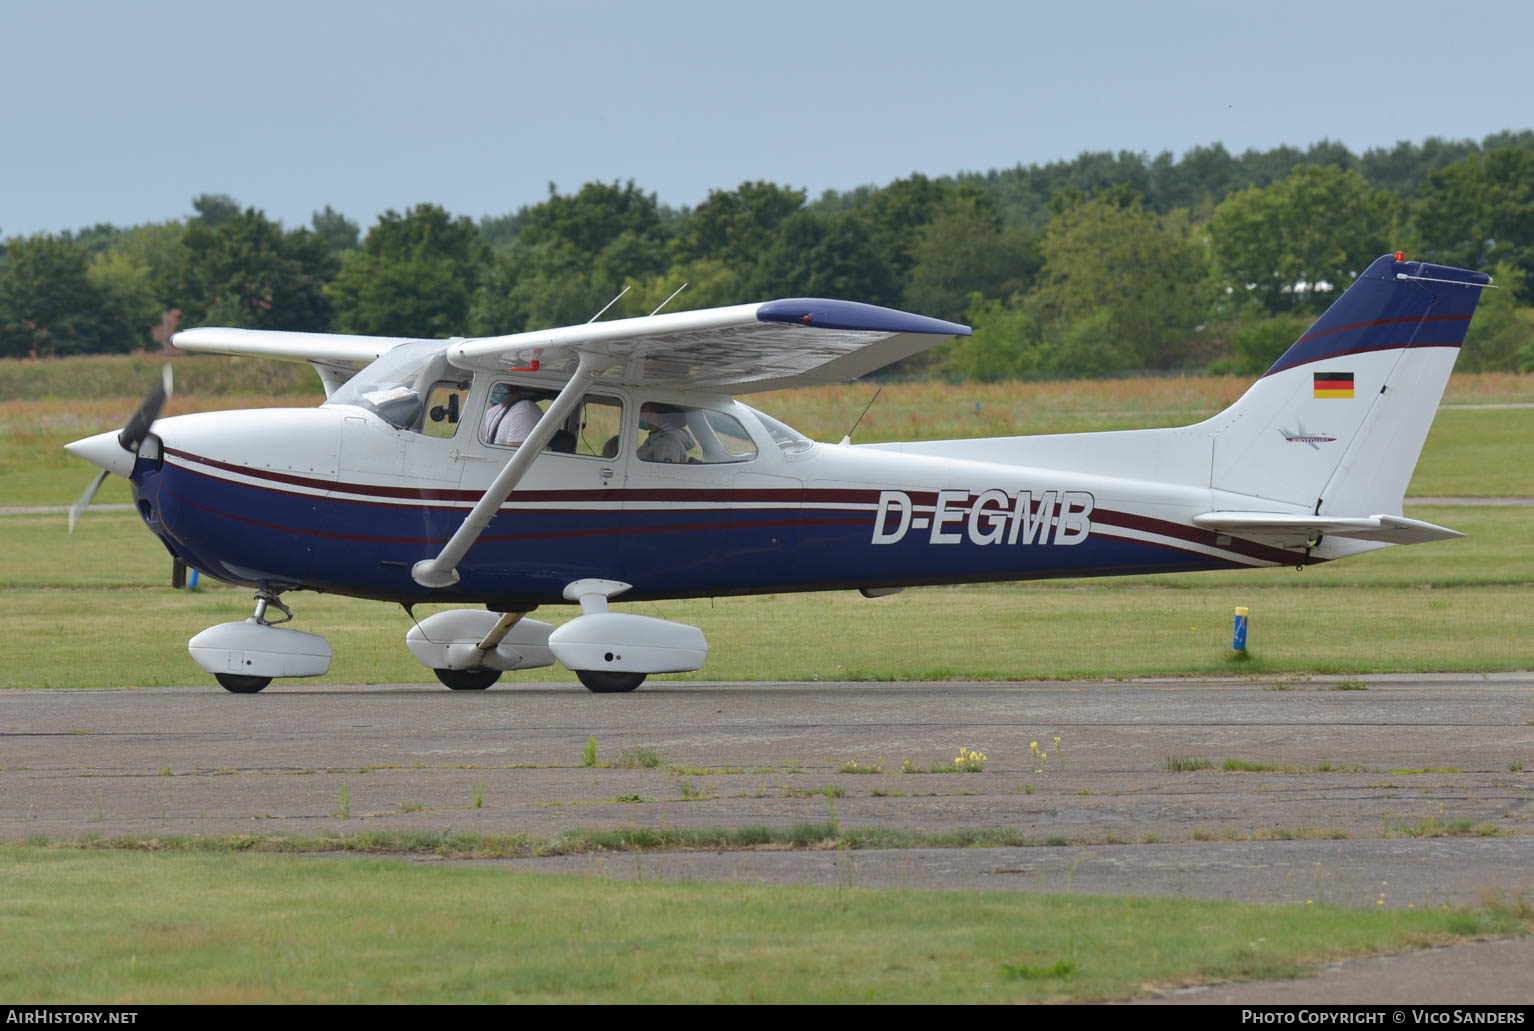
x: 969, y: 761
x: 639, y: 757
x: 1187, y: 763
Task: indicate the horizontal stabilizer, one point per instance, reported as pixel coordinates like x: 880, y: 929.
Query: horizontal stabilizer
x: 1293, y: 531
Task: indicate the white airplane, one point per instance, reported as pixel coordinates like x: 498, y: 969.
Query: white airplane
x: 638, y: 476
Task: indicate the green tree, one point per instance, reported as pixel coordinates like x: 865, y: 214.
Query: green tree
x: 249, y: 273
x: 737, y: 225
x: 99, y: 238
x: 1500, y: 330
x: 593, y: 218
x: 129, y: 285
x: 1403, y: 167
x: 340, y: 232
x: 1018, y: 340
x: 1479, y: 212
x: 50, y: 305
x: 415, y: 276
x: 711, y: 283
x: 1259, y: 341
x: 1126, y: 276
x: 215, y: 210
x: 501, y: 231
x: 569, y: 256
x: 818, y: 257
x: 534, y: 287
x: 897, y: 214
x: 1007, y: 343
x: 1295, y: 245
x: 964, y: 251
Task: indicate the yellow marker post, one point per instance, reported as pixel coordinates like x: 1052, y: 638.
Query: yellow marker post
x: 1238, y: 641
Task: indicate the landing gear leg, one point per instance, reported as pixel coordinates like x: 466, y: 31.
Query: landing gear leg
x: 268, y: 600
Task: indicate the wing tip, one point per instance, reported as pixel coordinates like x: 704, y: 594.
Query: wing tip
x: 825, y: 313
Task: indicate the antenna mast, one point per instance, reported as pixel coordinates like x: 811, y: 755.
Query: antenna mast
x: 848, y: 438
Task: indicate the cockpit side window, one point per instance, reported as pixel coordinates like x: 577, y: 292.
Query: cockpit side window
x: 684, y: 435
x: 444, y: 409
x: 591, y: 430
x: 512, y: 412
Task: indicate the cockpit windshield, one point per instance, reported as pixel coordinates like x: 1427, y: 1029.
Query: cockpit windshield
x: 788, y: 439
x: 395, y: 385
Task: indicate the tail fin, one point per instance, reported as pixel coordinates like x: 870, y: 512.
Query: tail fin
x: 1337, y: 423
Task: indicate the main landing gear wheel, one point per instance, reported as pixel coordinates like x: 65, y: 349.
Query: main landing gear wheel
x: 239, y: 683
x: 468, y: 679
x: 604, y: 682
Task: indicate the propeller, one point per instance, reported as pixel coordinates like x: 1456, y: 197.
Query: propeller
x: 84, y: 500
x: 130, y: 438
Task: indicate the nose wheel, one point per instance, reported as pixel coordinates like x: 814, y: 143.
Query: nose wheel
x: 244, y: 657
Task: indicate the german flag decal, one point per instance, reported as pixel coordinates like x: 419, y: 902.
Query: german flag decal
x: 1334, y: 384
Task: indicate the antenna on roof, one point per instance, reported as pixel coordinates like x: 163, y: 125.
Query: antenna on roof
x: 848, y: 438
x: 669, y: 299
x: 609, y: 304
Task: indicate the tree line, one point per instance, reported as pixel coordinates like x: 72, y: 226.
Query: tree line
x: 1106, y: 264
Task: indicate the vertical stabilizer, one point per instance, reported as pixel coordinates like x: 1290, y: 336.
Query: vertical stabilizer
x: 1337, y: 423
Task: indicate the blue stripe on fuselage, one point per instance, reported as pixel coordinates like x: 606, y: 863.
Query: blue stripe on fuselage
x: 257, y: 536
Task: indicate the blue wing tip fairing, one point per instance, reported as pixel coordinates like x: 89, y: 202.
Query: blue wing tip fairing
x: 821, y: 313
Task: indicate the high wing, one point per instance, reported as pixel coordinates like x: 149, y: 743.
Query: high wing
x: 739, y: 349
x: 337, y: 357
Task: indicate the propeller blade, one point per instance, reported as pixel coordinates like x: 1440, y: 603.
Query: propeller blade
x: 84, y: 500
x: 129, y: 439
x: 137, y: 429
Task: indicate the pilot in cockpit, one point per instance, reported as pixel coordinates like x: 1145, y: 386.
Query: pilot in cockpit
x: 510, y: 416
x: 669, y: 439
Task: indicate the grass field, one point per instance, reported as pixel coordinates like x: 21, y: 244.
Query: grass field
x: 131, y: 927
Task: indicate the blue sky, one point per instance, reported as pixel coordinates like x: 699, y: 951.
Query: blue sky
x: 122, y: 112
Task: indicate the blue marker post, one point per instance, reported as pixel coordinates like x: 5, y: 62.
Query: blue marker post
x: 1238, y: 641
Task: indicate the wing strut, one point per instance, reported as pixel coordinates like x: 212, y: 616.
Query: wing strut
x: 441, y: 571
